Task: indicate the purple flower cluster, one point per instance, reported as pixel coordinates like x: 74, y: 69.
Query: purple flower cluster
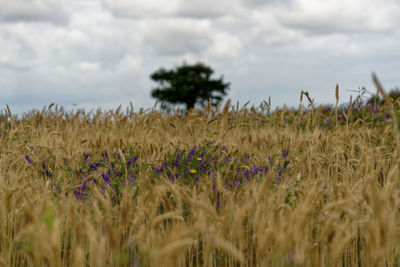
x: 111, y: 169
x: 202, y: 162
x: 111, y: 172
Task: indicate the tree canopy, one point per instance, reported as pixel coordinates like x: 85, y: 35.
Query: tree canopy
x: 189, y: 85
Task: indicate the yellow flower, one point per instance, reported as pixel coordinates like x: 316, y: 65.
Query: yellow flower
x: 192, y: 171
x: 198, y: 158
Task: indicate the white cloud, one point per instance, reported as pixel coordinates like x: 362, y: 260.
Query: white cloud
x: 129, y: 64
x: 89, y: 66
x: 34, y: 10
x: 224, y: 45
x: 266, y: 27
x: 138, y: 8
x: 326, y: 16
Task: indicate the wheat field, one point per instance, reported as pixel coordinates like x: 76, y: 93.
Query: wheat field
x: 226, y: 186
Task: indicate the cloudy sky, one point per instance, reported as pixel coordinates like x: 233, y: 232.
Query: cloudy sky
x: 100, y: 53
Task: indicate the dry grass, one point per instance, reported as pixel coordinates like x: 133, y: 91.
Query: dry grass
x: 337, y: 202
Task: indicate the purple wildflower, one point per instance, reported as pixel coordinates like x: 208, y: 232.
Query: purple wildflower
x: 80, y: 194
x: 214, y: 189
x: 93, y: 165
x: 215, y: 160
x: 196, y: 179
x: 106, y: 154
x: 77, y: 194
x: 84, y: 186
x: 47, y: 172
x: 28, y: 159
x: 131, y: 161
x: 31, y: 148
x: 192, y: 151
x: 86, y: 157
x: 218, y: 202
x: 255, y: 169
x: 246, y: 174
x: 375, y: 108
x: 328, y: 122
x: 237, y: 171
x: 284, y: 153
x: 386, y: 116
x: 177, y: 159
x: 187, y: 171
x: 278, y: 173
x: 57, y: 187
x: 228, y: 159
x: 271, y: 163
x: 133, y: 179
x: 226, y: 183
x: 285, y: 164
x: 170, y: 177
x: 162, y: 167
x: 106, y: 178
x: 235, y: 183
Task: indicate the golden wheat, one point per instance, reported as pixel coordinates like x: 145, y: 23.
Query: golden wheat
x: 337, y: 204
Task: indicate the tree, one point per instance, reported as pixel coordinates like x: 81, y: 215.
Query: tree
x: 189, y: 85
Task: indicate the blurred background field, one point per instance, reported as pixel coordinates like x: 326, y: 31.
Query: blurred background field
x: 224, y: 186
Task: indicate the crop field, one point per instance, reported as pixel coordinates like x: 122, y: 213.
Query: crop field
x: 225, y: 186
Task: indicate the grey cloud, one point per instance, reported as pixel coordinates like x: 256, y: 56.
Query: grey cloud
x: 174, y: 43
x: 13, y: 66
x: 137, y: 8
x: 206, y: 8
x: 176, y: 36
x: 33, y: 11
x: 174, y: 8
x: 261, y: 3
x: 323, y: 24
